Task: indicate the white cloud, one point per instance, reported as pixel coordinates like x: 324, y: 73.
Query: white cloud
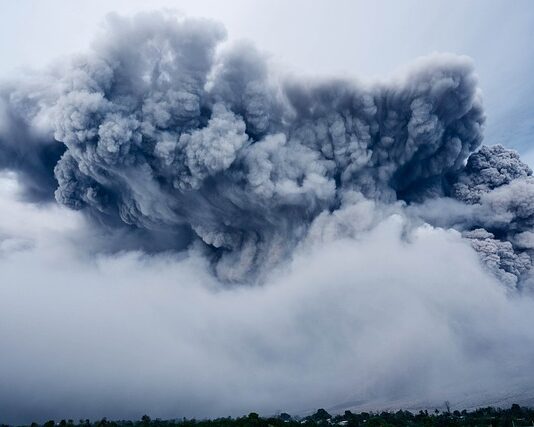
x: 379, y: 319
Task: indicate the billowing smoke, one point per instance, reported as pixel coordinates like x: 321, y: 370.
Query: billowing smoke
x: 159, y: 131
x: 496, y: 214
x: 166, y: 163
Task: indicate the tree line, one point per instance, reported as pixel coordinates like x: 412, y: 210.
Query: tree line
x: 516, y: 416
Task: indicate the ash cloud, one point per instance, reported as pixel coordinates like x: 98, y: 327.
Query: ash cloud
x: 160, y: 131
x: 487, y: 169
x: 167, y: 133
x: 27, y: 144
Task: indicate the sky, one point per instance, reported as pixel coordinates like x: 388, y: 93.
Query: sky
x: 262, y: 242
x: 359, y: 39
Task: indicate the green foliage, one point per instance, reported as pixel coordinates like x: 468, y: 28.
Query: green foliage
x: 516, y: 416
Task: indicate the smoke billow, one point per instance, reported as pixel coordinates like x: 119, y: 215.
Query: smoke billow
x: 158, y: 130
x: 360, y: 208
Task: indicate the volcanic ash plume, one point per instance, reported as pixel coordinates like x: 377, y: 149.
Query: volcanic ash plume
x: 163, y: 130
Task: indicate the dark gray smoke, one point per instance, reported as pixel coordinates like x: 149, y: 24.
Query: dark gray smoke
x: 487, y: 169
x: 162, y: 130
x: 27, y: 144
x: 500, y: 187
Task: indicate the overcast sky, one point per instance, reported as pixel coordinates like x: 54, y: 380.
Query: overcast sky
x: 360, y: 39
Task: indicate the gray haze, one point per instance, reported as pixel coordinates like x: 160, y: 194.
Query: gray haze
x: 354, y: 220
x: 371, y: 313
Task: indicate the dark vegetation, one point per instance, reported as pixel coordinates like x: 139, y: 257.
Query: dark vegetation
x: 516, y: 416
